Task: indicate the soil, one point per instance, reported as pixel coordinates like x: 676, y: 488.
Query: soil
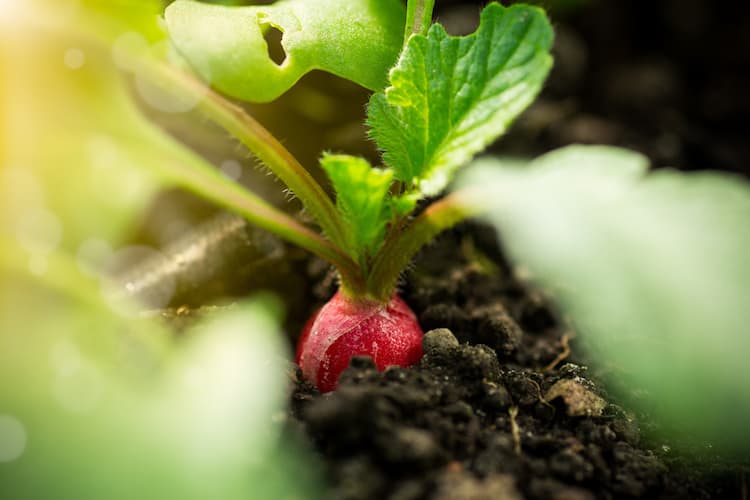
x: 666, y: 78
x: 497, y: 407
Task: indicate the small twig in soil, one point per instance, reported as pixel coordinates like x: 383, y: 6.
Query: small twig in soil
x: 515, y: 430
x: 539, y: 394
x: 565, y: 343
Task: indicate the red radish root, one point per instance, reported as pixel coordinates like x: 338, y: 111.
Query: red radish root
x: 388, y: 333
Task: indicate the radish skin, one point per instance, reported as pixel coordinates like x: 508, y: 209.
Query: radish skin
x: 388, y: 333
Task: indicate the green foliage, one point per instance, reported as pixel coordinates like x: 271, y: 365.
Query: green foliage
x: 361, y: 197
x: 449, y: 97
x: 653, y: 270
x: 355, y: 39
x: 88, y: 407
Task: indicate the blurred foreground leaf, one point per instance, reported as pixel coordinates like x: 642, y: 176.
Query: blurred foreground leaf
x: 79, y: 161
x: 653, y: 270
x: 95, y: 400
x: 86, y: 413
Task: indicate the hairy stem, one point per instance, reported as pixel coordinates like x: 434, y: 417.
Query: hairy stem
x: 257, y: 139
x: 400, y: 247
x: 418, y: 17
x: 196, y: 175
x: 200, y: 178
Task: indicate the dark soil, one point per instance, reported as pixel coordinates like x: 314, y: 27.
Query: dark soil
x: 668, y: 78
x: 495, y: 409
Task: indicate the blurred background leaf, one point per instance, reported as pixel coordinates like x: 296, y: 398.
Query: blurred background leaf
x: 652, y: 269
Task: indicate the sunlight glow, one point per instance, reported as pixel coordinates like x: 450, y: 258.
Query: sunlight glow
x: 10, y: 10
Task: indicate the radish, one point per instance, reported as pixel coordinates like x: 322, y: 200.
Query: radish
x: 388, y: 333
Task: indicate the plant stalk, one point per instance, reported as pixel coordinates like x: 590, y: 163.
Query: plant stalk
x: 257, y: 139
x: 400, y: 247
x: 196, y: 175
x: 205, y: 181
x: 193, y: 174
x: 418, y: 17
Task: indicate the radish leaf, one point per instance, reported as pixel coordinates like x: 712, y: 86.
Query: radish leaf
x: 361, y: 196
x: 355, y: 39
x: 449, y: 97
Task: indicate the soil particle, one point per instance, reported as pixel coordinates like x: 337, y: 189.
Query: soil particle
x: 438, y: 342
x: 579, y: 400
x: 461, y: 485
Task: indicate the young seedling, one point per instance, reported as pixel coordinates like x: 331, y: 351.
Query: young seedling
x: 444, y: 101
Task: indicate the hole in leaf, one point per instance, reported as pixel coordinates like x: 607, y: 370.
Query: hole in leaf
x: 273, y: 36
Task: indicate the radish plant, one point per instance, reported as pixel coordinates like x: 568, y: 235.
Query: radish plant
x: 445, y: 99
x: 652, y: 269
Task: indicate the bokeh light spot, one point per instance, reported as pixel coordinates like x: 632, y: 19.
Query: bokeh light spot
x: 38, y: 230
x: 92, y: 255
x: 231, y: 169
x: 12, y: 438
x: 38, y: 264
x: 74, y: 58
x: 80, y: 390
x: 65, y: 358
x: 126, y: 48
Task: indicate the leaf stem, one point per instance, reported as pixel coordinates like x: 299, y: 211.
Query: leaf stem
x: 418, y: 17
x: 257, y: 139
x: 199, y: 177
x: 194, y: 174
x: 400, y: 247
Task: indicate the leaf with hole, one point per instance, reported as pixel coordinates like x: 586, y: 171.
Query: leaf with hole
x: 237, y: 49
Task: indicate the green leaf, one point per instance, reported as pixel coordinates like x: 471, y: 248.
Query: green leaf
x: 361, y: 197
x: 403, y: 204
x: 355, y: 39
x: 82, y: 410
x: 452, y: 96
x: 653, y: 270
